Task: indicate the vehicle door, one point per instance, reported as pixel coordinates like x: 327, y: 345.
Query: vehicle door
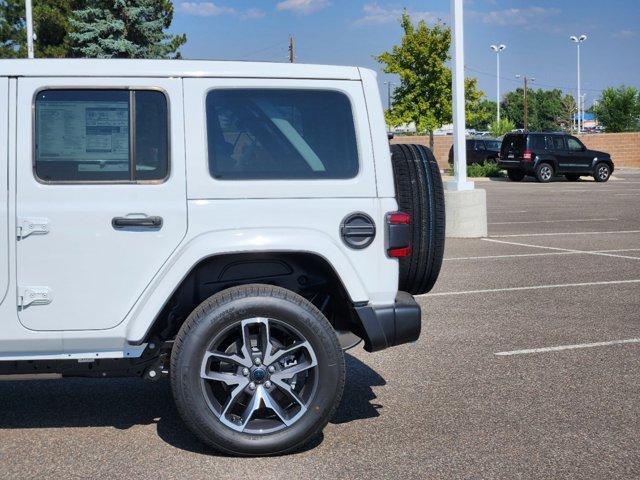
x: 579, y: 157
x: 4, y: 194
x: 557, y: 148
x: 101, y: 196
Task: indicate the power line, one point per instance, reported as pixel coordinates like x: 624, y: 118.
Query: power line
x: 508, y: 79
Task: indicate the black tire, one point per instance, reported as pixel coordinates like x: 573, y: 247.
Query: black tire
x: 544, y: 172
x: 419, y: 193
x: 572, y: 177
x: 601, y: 172
x: 515, y: 175
x: 224, y: 312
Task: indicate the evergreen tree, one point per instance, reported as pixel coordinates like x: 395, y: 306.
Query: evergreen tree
x: 125, y: 29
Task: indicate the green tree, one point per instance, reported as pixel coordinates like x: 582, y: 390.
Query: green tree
x: 424, y: 95
x: 546, y: 108
x: 481, y: 114
x: 51, y: 26
x: 498, y: 129
x: 618, y: 109
x: 125, y: 29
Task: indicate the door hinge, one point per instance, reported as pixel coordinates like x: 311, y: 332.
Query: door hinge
x: 34, y: 296
x: 27, y: 226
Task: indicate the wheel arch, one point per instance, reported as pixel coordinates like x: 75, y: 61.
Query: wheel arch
x: 198, y: 273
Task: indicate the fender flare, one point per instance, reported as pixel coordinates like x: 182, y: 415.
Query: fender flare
x: 222, y: 242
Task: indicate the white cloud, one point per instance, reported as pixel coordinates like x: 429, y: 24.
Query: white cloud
x: 210, y: 9
x: 515, y: 16
x: 205, y: 9
x: 374, y: 14
x: 252, y: 14
x: 304, y: 7
x: 626, y: 34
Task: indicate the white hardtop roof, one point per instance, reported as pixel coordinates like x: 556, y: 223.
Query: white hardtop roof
x: 171, y: 68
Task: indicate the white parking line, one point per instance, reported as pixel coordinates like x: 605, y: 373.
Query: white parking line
x: 567, y: 250
x: 558, y: 221
x: 534, y: 287
x: 564, y: 233
x: 568, y: 347
x: 516, y: 255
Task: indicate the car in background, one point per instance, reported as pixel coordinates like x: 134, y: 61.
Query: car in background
x: 545, y: 155
x: 480, y: 150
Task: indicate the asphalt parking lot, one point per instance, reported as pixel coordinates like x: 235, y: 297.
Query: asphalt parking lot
x: 483, y: 394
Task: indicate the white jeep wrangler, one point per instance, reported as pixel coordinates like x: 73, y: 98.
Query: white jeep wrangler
x: 234, y: 226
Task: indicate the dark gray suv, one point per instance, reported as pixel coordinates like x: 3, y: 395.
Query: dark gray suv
x: 545, y: 155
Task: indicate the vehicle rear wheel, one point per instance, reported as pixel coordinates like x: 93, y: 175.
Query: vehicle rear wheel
x: 544, y: 172
x: 602, y: 172
x: 572, y: 177
x: 419, y: 193
x: 515, y: 175
x: 256, y: 370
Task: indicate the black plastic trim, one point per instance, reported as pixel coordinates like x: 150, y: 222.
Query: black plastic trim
x: 391, y: 325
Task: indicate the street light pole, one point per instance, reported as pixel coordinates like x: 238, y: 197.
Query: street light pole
x: 498, y: 49
x: 526, y: 104
x: 578, y: 40
x: 29, y: 19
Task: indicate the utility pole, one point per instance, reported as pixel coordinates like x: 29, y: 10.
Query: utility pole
x: 498, y: 49
x: 29, y: 19
x: 292, y: 50
x: 526, y: 104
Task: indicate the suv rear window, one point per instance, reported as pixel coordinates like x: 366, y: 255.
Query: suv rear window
x: 101, y: 136
x: 259, y: 134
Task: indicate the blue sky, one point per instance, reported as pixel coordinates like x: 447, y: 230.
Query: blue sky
x: 350, y: 32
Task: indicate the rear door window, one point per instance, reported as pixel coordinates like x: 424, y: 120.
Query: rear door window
x: 537, y: 142
x: 101, y: 136
x: 261, y: 134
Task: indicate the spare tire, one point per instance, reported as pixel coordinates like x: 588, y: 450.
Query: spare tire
x: 419, y: 193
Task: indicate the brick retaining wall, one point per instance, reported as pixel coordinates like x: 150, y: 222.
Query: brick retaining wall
x: 623, y: 147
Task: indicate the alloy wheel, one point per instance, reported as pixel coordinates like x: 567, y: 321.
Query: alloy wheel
x: 259, y: 376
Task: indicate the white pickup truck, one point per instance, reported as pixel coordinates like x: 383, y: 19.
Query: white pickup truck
x: 232, y: 226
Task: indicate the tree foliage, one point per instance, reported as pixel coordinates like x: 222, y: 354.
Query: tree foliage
x: 90, y: 28
x: 481, y: 114
x: 424, y: 95
x: 51, y: 27
x: 547, y: 109
x: 125, y: 29
x: 504, y: 126
x: 618, y: 109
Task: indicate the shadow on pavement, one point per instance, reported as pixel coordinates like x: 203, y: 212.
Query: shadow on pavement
x: 124, y: 403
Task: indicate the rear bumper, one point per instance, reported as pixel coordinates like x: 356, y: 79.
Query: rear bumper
x: 388, y: 326
x: 525, y: 167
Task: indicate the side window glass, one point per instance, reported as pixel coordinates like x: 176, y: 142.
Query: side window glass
x: 573, y: 144
x: 537, y: 142
x: 558, y: 143
x: 260, y: 134
x: 100, y: 136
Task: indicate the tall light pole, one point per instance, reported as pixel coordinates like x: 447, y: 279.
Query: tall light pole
x: 526, y: 105
x: 498, y: 49
x: 29, y: 19
x: 578, y: 41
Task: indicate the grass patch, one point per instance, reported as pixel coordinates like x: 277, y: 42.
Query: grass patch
x: 487, y: 169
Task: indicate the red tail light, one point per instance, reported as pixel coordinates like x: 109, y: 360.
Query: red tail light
x: 528, y: 155
x: 398, y: 235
